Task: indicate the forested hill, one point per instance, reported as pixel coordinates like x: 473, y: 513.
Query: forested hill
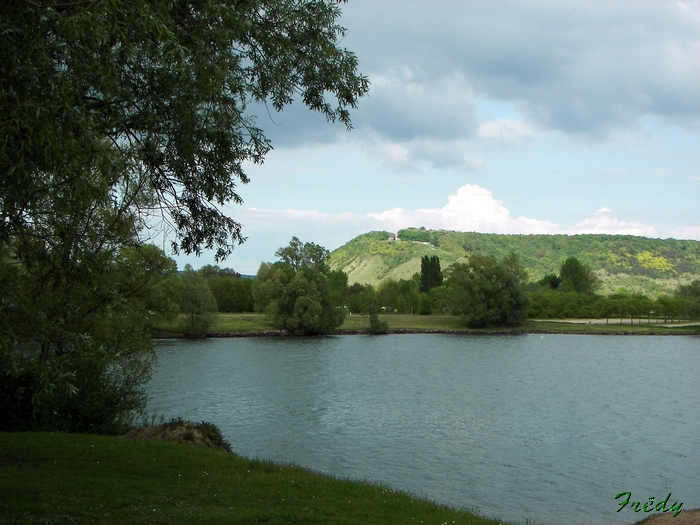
x: 639, y: 264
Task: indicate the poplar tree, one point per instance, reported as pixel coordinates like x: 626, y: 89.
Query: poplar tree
x: 430, y: 273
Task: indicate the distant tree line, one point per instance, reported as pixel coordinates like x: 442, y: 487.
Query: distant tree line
x: 301, y: 294
x: 571, y: 294
x: 481, y: 291
x: 198, y: 295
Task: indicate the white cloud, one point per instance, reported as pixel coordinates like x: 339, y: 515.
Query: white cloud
x: 686, y: 232
x: 583, y: 67
x: 603, y: 222
x: 424, y: 154
x: 472, y: 208
x: 405, y: 105
x: 505, y: 129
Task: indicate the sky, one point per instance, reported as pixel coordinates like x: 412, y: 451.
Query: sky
x: 495, y: 117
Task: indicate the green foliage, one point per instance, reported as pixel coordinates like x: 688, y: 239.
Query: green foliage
x: 418, y: 235
x: 550, y: 304
x: 575, y: 277
x: 426, y: 307
x: 338, y: 283
x: 549, y: 282
x: 376, y: 325
x: 269, y: 283
x: 158, y: 95
x: 399, y: 296
x: 392, y: 252
x: 430, y: 274
x: 74, y: 337
x: 299, y: 255
x: 198, y: 304
x: 151, y: 278
x: 305, y: 306
x: 231, y: 292
x: 164, y: 300
x: 511, y: 263
x: 690, y: 297
x: 440, y: 300
x: 361, y: 297
x: 295, y: 292
x: 691, y: 291
x: 484, y: 291
x: 81, y: 387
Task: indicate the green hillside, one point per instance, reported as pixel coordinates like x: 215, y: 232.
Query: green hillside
x: 639, y: 264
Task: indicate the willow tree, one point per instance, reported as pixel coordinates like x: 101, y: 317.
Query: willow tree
x: 485, y: 291
x: 295, y: 291
x: 117, y: 114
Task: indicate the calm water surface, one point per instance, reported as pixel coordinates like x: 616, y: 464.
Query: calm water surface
x: 541, y: 428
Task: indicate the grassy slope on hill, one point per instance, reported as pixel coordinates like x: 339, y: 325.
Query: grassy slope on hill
x: 72, y: 478
x: 640, y: 264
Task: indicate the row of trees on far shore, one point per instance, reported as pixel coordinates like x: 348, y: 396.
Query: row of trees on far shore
x: 301, y: 294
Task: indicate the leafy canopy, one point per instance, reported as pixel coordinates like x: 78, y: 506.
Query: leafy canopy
x: 575, y: 277
x: 296, y: 291
x: 430, y: 274
x: 486, y: 291
x: 155, y: 100
x: 300, y: 255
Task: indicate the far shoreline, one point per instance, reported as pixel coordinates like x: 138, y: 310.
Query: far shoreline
x: 409, y: 331
x: 234, y: 325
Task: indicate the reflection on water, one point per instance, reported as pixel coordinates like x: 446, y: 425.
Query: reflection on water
x: 548, y: 428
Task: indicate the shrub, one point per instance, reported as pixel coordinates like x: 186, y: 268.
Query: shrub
x: 376, y: 326
x: 79, y: 388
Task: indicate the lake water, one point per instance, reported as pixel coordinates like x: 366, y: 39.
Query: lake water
x: 525, y: 427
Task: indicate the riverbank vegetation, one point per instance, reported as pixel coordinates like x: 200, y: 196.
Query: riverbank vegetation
x: 72, y: 478
x: 256, y: 323
x: 482, y: 293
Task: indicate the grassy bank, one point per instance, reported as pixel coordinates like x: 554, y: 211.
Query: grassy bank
x: 67, y: 478
x: 243, y: 323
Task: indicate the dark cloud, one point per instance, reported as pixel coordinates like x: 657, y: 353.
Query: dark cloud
x: 587, y: 68
x: 404, y: 105
x: 295, y: 126
x: 581, y: 67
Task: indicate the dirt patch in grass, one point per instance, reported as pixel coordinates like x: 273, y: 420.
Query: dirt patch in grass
x: 201, y: 434
x: 686, y: 517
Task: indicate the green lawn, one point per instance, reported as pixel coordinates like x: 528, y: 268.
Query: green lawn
x: 612, y: 327
x: 405, y: 322
x: 54, y: 478
x: 248, y: 322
